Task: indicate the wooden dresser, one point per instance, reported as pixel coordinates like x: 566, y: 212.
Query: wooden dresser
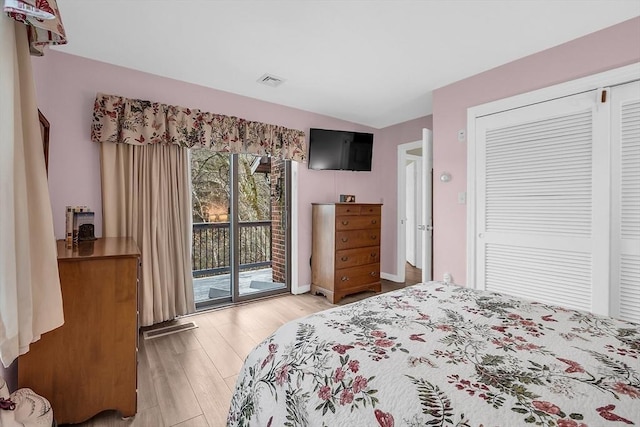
x: 345, y: 252
x: 89, y: 364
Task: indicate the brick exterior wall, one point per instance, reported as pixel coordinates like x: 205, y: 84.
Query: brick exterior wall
x: 278, y: 214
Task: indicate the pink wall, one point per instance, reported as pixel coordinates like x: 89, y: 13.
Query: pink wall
x: 612, y: 47
x: 66, y: 88
x: 393, y: 136
x: 67, y: 85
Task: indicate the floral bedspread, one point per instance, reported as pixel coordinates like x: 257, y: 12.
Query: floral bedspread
x: 440, y: 355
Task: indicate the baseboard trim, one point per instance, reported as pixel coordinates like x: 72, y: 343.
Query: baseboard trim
x: 301, y: 290
x: 391, y: 277
x: 307, y: 288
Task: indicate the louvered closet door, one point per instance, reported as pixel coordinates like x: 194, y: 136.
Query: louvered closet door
x: 542, y: 206
x: 625, y: 248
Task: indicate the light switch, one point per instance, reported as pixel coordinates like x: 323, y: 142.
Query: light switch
x: 462, y: 197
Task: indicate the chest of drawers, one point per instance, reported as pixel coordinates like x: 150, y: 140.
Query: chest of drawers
x: 345, y: 253
x: 89, y: 364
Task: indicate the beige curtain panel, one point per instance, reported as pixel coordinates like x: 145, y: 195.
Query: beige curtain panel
x: 139, y: 122
x: 146, y: 195
x: 30, y: 297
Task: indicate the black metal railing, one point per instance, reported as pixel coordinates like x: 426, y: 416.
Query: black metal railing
x: 211, y: 248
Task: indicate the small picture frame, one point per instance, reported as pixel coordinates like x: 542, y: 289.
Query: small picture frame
x: 347, y: 198
x: 44, y: 131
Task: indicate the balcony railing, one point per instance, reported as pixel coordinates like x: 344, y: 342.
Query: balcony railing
x: 211, y: 247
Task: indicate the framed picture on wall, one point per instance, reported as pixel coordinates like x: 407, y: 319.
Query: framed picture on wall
x: 347, y: 198
x: 44, y: 131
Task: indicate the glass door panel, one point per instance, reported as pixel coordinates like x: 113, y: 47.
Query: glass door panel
x: 240, y: 234
x: 257, y: 185
x: 211, y: 256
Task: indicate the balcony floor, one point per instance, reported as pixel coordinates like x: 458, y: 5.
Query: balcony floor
x: 251, y: 281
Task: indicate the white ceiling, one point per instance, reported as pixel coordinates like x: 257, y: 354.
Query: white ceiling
x: 370, y: 62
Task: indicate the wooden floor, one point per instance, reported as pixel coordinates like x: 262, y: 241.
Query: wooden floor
x: 186, y: 379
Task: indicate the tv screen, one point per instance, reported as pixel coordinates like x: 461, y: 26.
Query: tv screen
x: 340, y: 150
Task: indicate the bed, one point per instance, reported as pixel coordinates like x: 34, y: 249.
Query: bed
x: 441, y: 355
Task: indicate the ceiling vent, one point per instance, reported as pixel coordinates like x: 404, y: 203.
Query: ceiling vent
x: 270, y: 80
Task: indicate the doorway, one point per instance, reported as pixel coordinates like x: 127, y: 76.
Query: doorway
x: 415, y: 192
x: 240, y: 240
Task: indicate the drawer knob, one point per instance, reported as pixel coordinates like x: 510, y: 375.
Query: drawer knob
x: 344, y: 278
x: 374, y: 221
x: 374, y: 237
x: 345, y: 222
x: 373, y: 273
x: 373, y: 254
x: 345, y: 239
x: 344, y: 258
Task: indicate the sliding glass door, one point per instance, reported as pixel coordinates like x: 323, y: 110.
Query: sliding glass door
x: 240, y: 227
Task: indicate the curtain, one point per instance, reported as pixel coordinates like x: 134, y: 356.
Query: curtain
x: 146, y: 191
x: 146, y: 194
x: 140, y: 122
x: 30, y: 297
x: 43, y: 21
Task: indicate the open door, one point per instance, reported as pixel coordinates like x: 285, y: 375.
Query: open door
x: 421, y: 229
x: 426, y: 222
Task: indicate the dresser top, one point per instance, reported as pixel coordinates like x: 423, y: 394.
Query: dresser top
x: 104, y: 247
x: 349, y: 204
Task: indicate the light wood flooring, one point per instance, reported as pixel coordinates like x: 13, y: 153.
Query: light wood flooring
x: 186, y: 379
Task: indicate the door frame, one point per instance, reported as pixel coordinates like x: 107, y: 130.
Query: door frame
x: 572, y: 87
x: 401, y: 250
x: 401, y: 209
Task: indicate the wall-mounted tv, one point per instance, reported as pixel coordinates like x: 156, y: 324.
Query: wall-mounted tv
x: 340, y: 150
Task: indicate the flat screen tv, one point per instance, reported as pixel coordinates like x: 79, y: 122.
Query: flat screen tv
x: 340, y: 150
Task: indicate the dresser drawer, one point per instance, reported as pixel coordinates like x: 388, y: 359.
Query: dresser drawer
x: 371, y: 210
x: 357, y: 238
x: 355, y: 276
x: 357, y: 209
x: 360, y: 256
x: 347, y: 209
x: 357, y: 222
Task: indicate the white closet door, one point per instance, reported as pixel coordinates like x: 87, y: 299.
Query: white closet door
x: 625, y: 248
x: 542, y: 205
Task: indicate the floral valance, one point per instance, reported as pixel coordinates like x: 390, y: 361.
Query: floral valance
x: 138, y: 122
x: 43, y: 20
